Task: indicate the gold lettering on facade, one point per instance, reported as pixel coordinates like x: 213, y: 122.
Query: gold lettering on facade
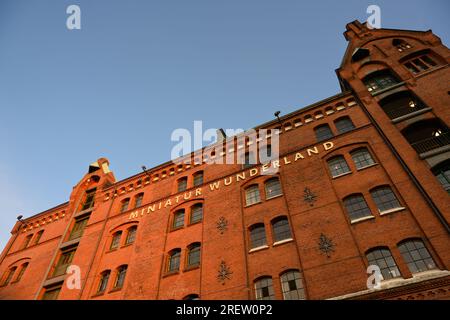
x: 313, y: 150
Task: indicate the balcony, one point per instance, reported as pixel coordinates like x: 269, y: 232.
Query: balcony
x: 432, y: 143
x: 428, y: 137
x: 402, y: 105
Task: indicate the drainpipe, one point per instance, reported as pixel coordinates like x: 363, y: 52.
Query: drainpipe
x: 416, y: 182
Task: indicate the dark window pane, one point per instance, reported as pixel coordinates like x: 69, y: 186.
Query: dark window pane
x: 416, y: 256
x: 182, y: 184
x: 264, y: 289
x: 357, y: 207
x: 385, y: 199
x: 273, y: 188
x: 344, y: 125
x: 281, y: 230
x: 292, y: 286
x: 196, y: 213
x: 194, y: 255
x: 362, y: 158
x: 323, y: 132
x: 252, y: 195
x: 382, y: 258
x: 178, y: 219
x: 257, y: 236
x: 116, y: 240
x: 338, y: 166
x: 198, y: 179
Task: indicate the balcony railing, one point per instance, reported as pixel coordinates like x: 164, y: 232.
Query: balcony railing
x: 432, y: 143
x: 402, y: 110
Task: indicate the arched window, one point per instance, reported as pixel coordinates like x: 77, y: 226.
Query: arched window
x: 416, y: 255
x: 356, y: 207
x: 196, y: 213
x: 344, y: 124
x: 323, y: 132
x: 379, y: 80
x: 252, y: 195
x: 338, y: 166
x: 120, y: 277
x: 382, y: 258
x: 273, y: 188
x: 385, y: 199
x: 362, y: 158
x: 257, y: 235
x: 192, y: 297
x: 173, y: 262
x: 22, y: 270
x: 264, y: 289
x: 104, y: 278
x: 292, y: 285
x: 442, y: 173
x: 193, y: 258
x: 38, y: 237
x: 281, y: 229
x: 131, y: 235
x: 400, y: 104
x: 198, y: 178
x: 178, y: 219
x: 115, y: 242
x: 26, y: 241
x: 8, y: 276
x: 401, y: 45
x: 427, y: 135
x: 182, y: 184
x: 138, y: 200
x: 124, y: 205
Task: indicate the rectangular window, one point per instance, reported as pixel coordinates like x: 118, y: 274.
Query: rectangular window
x: 89, y: 200
x: 52, y: 293
x: 78, y: 228
x: 138, y: 201
x: 64, y: 261
x: 198, y: 179
x: 178, y: 219
x: 420, y: 64
x: 182, y: 184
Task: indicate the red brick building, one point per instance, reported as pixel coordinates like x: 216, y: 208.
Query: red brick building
x: 364, y: 179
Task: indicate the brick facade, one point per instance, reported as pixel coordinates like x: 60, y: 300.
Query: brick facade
x: 326, y: 247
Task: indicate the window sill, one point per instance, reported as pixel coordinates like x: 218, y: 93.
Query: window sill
x: 342, y: 174
x: 258, y: 248
x: 127, y: 245
x: 193, y: 267
x: 170, y: 273
x: 368, y: 166
x: 362, y: 219
x: 274, y: 197
x: 382, y: 213
x: 253, y: 204
x: 177, y: 228
x: 115, y: 290
x: 98, y: 294
x: 195, y: 222
x: 282, y: 242
x: 112, y: 250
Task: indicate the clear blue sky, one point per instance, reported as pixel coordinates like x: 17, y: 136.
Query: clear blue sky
x: 137, y: 70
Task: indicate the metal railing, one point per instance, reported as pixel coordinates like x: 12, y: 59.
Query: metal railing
x: 432, y: 143
x: 402, y: 110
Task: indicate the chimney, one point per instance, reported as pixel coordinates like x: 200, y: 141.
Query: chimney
x: 354, y: 29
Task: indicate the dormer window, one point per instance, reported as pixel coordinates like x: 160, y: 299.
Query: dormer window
x: 401, y: 45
